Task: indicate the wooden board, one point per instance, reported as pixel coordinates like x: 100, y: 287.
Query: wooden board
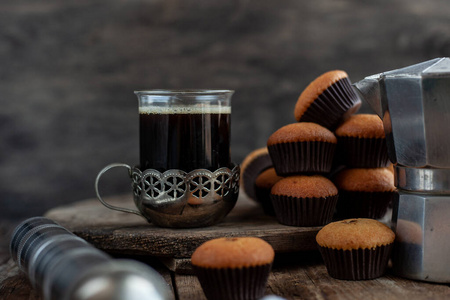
x: 300, y: 275
x: 124, y: 233
x: 304, y: 276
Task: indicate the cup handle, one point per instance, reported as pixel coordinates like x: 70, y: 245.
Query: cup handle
x: 100, y: 174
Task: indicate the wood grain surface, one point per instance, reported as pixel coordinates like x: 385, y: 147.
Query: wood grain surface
x: 299, y: 275
x: 124, y: 233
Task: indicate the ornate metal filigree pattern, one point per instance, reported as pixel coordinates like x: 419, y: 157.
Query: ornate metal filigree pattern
x: 179, y: 199
x: 170, y: 191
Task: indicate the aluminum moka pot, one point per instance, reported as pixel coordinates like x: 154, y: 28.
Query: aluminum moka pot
x: 414, y: 104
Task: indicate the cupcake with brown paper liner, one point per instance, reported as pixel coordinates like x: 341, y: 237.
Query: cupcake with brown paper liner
x: 364, y: 193
x: 362, y: 142
x: 233, y: 268
x: 263, y: 184
x: 327, y: 100
x: 253, y: 164
x: 304, y: 201
x: 302, y: 148
x: 355, y: 249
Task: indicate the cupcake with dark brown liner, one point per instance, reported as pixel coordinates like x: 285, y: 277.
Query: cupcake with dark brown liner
x: 302, y: 200
x: 263, y: 184
x: 364, y: 193
x: 234, y: 268
x: 302, y: 148
x: 328, y: 100
x: 253, y: 164
x: 362, y: 142
x: 355, y: 249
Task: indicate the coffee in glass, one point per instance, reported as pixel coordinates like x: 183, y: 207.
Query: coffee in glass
x: 185, y: 138
x: 185, y: 177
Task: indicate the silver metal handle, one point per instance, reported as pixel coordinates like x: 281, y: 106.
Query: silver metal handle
x: 103, y: 171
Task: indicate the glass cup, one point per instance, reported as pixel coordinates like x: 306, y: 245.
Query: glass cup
x: 185, y: 177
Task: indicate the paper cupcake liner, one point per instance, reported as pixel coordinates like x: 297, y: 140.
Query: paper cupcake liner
x: 246, y: 283
x: 263, y: 198
x: 358, y: 264
x: 356, y: 204
x: 304, y: 212
x: 363, y: 152
x: 333, y: 106
x: 252, y: 171
x: 302, y: 157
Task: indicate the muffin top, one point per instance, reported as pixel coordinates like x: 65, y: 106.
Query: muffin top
x: 362, y: 126
x: 301, y: 132
x: 233, y: 252
x: 314, y: 89
x: 302, y: 186
x: 365, y: 180
x: 355, y: 234
x: 267, y: 179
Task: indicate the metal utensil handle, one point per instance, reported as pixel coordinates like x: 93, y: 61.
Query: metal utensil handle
x: 103, y: 171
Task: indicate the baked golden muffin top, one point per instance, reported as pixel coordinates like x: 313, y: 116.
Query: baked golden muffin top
x: 361, y: 126
x: 233, y: 252
x: 353, y: 234
x: 314, y: 89
x: 365, y: 180
x: 267, y: 179
x: 302, y: 132
x: 303, y: 186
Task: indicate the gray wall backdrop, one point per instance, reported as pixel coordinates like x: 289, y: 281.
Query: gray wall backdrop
x: 68, y: 70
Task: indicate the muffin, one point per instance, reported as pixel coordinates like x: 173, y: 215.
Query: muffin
x: 302, y: 148
x: 254, y: 163
x: 355, y: 249
x: 302, y: 200
x: 263, y: 184
x: 362, y: 142
x: 328, y: 100
x: 233, y: 268
x: 364, y: 193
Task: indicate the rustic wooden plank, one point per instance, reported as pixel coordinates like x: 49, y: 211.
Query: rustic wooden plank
x: 167, y: 275
x: 188, y: 288
x: 14, y: 285
x: 118, y: 232
x: 304, y: 276
x: 294, y: 276
x: 178, y: 265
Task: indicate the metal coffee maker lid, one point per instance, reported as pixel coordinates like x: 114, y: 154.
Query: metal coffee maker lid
x: 414, y: 104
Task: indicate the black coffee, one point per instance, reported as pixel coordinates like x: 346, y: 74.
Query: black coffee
x: 184, y: 139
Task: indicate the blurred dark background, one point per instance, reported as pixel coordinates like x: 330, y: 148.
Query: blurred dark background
x: 68, y: 70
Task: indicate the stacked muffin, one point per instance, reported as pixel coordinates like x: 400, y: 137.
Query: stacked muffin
x: 327, y: 137
x: 263, y: 185
x: 254, y: 163
x: 330, y: 139
x: 366, y: 185
x: 303, y: 152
